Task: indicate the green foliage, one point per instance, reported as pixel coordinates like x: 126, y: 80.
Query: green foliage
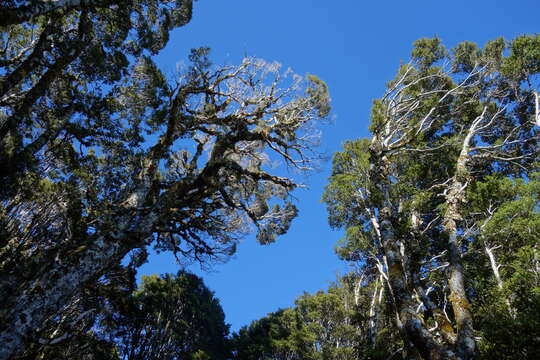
x: 494, y: 51
x: 466, y: 57
x: 447, y: 184
x: 428, y: 51
x: 322, y: 326
x: 524, y: 58
x: 506, y: 313
x: 513, y: 333
x: 348, y: 181
x: 377, y: 115
x: 64, y: 78
x: 104, y: 156
x: 319, y: 95
x: 170, y: 317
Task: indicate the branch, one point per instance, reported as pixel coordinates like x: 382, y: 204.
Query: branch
x: 21, y: 14
x: 537, y: 108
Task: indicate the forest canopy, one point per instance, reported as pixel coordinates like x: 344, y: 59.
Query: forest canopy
x: 105, y: 158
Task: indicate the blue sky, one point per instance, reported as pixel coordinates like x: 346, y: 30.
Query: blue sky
x: 356, y: 47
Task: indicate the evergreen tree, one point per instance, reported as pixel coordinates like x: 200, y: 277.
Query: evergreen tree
x: 170, y: 317
x: 328, y: 325
x: 100, y: 166
x: 414, y: 197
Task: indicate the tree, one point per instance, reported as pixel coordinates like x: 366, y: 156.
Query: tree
x: 196, y: 181
x: 507, y: 276
x: 59, y: 61
x: 279, y: 335
x: 330, y: 319
x: 170, y: 317
x: 447, y: 122
x: 165, y: 317
x: 322, y: 326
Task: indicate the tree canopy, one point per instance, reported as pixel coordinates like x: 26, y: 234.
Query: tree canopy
x: 170, y: 317
x: 102, y: 165
x: 420, y: 199
x: 105, y: 158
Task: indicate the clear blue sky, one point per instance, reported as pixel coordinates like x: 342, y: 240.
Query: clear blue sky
x: 356, y: 47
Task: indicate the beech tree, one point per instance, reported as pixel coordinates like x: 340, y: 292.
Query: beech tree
x: 181, y: 165
x: 58, y: 63
x: 449, y: 122
x: 320, y: 326
x: 326, y: 325
x: 169, y: 317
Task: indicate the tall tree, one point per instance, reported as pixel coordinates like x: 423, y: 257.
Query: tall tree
x: 322, y: 326
x: 170, y: 317
x: 181, y: 165
x: 59, y: 62
x: 447, y: 122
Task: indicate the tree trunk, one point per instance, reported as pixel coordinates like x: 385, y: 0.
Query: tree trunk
x: 497, y: 275
x: 537, y: 109
x: 410, y: 323
x: 372, y: 311
x: 455, y: 197
x: 58, y: 282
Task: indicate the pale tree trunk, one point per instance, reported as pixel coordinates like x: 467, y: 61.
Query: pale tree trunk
x: 455, y: 198
x: 495, y: 269
x: 537, y: 109
x: 465, y: 343
x: 418, y: 340
x: 460, y: 305
x: 356, y: 290
x: 52, y: 289
x: 493, y: 263
x: 372, y: 311
x: 45, y: 296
